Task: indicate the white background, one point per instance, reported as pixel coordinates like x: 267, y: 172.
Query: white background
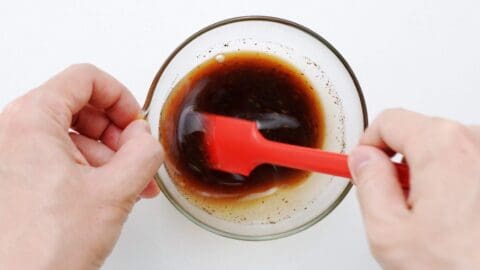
x: 422, y: 55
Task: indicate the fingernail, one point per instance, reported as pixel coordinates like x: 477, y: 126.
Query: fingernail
x: 358, y: 160
x: 142, y: 115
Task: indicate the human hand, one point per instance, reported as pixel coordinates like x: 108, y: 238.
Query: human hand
x: 64, y: 196
x: 436, y: 224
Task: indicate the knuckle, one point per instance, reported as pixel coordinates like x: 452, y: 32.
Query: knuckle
x: 19, y: 111
x: 83, y: 67
x: 450, y: 138
x: 388, y: 113
x: 79, y: 71
x: 31, y: 113
x: 395, y: 110
x: 451, y: 133
x: 446, y: 125
x: 386, y: 116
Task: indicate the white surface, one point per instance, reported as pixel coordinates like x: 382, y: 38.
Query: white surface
x: 421, y: 55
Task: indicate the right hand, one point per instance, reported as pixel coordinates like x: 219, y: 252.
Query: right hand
x: 436, y: 224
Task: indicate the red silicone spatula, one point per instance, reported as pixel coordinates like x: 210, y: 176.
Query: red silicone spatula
x: 236, y: 146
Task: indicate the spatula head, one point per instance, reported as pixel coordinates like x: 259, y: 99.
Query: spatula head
x: 231, y: 143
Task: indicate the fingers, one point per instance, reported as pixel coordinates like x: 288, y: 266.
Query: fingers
x: 111, y: 137
x: 379, y: 192
x: 433, y: 148
x: 75, y: 87
x: 96, y: 153
x: 91, y: 122
x: 136, y: 161
x: 393, y: 129
x: 96, y: 125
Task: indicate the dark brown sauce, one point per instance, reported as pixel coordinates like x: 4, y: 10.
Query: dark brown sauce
x: 248, y: 85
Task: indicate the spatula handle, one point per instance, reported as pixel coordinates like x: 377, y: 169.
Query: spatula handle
x: 309, y: 159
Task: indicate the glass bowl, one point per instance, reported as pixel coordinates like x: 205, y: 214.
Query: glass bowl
x: 333, y: 82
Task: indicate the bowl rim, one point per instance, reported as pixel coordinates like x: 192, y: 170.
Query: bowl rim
x: 285, y: 22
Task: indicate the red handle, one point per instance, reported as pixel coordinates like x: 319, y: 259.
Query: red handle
x: 309, y: 159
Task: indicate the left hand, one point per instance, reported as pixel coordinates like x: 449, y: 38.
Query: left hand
x: 64, y: 195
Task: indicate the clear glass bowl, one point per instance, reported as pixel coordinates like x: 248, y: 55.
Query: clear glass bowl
x: 334, y: 83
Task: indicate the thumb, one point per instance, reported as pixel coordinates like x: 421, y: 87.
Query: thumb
x: 137, y: 160
x: 379, y: 191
